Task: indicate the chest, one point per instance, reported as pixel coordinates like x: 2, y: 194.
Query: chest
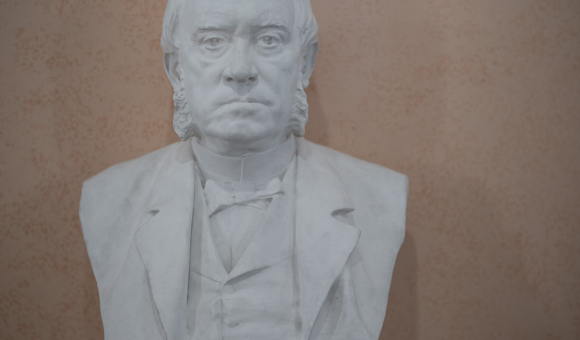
x: 258, y: 298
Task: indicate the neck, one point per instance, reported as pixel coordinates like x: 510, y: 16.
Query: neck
x: 253, y: 167
x: 238, y: 149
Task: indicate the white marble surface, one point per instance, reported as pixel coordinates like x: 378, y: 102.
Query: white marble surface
x: 302, y: 244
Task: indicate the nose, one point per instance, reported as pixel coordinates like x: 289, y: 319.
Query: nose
x: 241, y: 74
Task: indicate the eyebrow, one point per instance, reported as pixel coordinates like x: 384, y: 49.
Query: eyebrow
x: 260, y: 27
x: 212, y: 28
x: 274, y: 26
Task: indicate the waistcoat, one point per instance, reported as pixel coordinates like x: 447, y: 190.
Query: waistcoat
x: 258, y: 299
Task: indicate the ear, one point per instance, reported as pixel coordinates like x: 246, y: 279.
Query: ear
x: 309, y: 59
x: 171, y: 63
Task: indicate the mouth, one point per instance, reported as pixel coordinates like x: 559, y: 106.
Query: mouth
x: 242, y: 101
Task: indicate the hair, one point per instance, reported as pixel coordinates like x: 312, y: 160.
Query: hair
x: 183, y: 122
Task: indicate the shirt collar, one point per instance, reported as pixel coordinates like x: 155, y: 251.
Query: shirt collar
x: 256, y: 167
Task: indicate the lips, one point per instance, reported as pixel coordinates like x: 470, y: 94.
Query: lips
x: 242, y: 101
x: 246, y: 101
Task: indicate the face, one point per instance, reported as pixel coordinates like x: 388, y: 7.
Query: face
x: 241, y: 62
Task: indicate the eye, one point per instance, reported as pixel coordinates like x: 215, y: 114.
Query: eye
x: 213, y: 42
x: 268, y: 41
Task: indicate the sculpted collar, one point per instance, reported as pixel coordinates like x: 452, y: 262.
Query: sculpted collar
x: 257, y: 167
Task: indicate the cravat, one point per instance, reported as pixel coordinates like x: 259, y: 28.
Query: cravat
x: 217, y: 198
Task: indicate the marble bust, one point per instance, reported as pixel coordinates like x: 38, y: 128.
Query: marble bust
x: 243, y: 230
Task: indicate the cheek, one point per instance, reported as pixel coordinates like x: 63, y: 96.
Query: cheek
x: 201, y: 83
x: 285, y: 62
x: 281, y: 75
x: 204, y: 70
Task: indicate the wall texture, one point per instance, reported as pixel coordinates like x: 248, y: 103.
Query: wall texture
x: 477, y: 101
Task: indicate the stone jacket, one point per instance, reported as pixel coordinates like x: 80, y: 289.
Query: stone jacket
x: 350, y: 223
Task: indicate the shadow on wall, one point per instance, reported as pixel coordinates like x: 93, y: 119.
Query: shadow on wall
x: 403, y: 322
x: 171, y: 134
x: 92, y: 322
x: 316, y: 115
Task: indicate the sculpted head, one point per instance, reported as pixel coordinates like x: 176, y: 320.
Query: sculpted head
x: 239, y: 68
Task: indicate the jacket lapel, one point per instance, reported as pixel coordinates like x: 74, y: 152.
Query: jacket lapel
x: 163, y: 240
x: 323, y: 243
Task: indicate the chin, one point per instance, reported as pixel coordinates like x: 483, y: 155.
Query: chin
x: 242, y: 131
x: 242, y: 122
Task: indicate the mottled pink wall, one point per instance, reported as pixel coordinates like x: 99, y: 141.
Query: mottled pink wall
x: 477, y: 101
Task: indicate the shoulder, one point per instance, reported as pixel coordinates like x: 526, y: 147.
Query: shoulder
x: 104, y: 193
x: 358, y: 175
x: 378, y: 194
x: 118, y: 176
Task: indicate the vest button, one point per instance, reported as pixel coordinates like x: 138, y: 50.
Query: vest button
x: 232, y: 324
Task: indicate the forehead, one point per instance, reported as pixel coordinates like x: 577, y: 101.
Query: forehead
x: 208, y: 13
